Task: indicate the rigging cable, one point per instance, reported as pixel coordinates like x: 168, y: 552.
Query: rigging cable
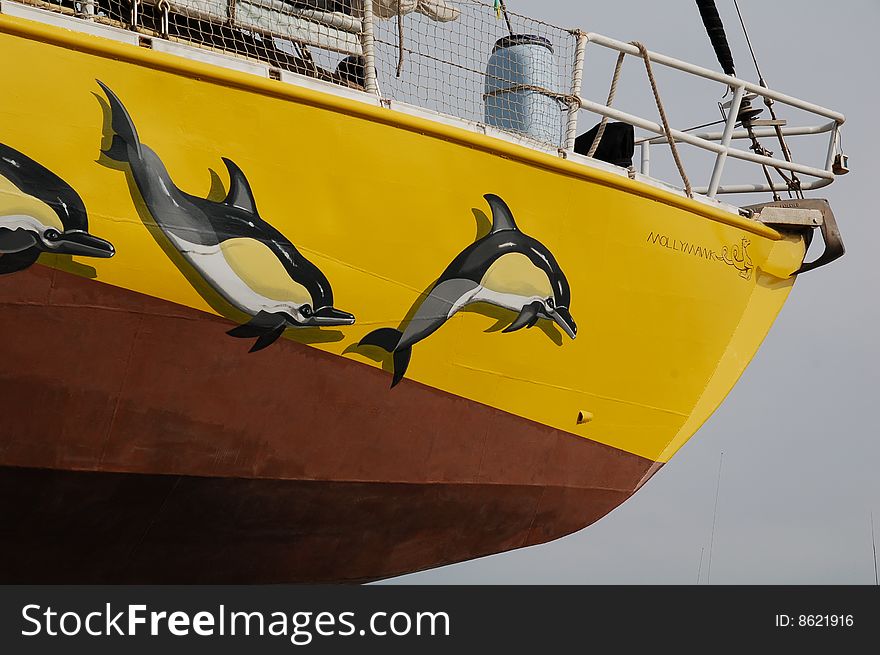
x: 715, y: 29
x: 749, y: 43
x: 689, y: 129
x: 874, y: 547
x: 714, y: 517
x: 501, y: 8
x: 793, y: 183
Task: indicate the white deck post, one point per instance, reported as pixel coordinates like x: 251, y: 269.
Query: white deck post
x: 367, y: 46
x: 577, y: 76
x: 645, y: 168
x: 832, y: 147
x: 733, y: 114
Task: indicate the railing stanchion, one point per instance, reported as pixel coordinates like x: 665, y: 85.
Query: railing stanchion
x: 708, y: 74
x: 367, y: 46
x: 577, y: 76
x: 340, y: 32
x: 732, y: 115
x: 832, y: 146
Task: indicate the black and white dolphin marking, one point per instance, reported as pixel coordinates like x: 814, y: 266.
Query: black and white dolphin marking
x: 244, y: 258
x: 40, y: 212
x: 506, y: 268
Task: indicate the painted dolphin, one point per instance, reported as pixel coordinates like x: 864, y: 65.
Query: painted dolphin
x: 40, y: 212
x: 246, y: 260
x: 506, y: 268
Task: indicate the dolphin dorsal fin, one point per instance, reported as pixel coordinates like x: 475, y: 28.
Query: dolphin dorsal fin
x: 240, y: 194
x: 502, y: 218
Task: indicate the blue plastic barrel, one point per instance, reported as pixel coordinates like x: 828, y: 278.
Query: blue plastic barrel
x: 521, y: 66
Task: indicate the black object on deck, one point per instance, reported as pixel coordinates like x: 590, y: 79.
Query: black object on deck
x: 616, y: 147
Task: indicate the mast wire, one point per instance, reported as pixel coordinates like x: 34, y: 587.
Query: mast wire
x: 714, y: 517
x: 506, y: 16
x: 793, y: 183
x: 874, y: 547
x: 749, y: 42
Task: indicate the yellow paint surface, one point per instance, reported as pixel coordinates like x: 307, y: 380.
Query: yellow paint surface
x: 381, y: 203
x: 261, y: 270
x: 515, y: 273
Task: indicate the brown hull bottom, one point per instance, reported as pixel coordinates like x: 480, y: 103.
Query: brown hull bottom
x: 140, y: 443
x: 77, y: 527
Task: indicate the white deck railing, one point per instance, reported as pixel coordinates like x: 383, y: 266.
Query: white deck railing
x: 720, y: 142
x: 449, y: 68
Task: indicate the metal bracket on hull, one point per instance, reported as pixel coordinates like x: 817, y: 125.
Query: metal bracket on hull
x: 801, y: 216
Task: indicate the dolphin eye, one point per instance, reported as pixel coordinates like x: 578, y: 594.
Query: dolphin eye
x: 306, y: 311
x: 550, y: 303
x: 52, y: 235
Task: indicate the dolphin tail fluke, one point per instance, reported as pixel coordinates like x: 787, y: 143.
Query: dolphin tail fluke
x: 526, y: 318
x: 268, y: 338
x: 265, y: 326
x: 401, y: 363
x: 384, y: 338
x: 118, y: 150
x: 388, y: 339
x: 125, y: 138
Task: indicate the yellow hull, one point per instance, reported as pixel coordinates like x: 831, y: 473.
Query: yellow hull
x: 669, y: 307
x: 156, y: 448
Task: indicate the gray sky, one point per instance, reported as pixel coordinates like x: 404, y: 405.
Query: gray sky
x: 799, y: 432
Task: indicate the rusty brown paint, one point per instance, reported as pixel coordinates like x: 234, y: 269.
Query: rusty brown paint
x: 140, y: 443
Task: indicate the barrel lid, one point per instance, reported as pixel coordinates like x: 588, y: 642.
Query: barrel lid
x: 522, y: 39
